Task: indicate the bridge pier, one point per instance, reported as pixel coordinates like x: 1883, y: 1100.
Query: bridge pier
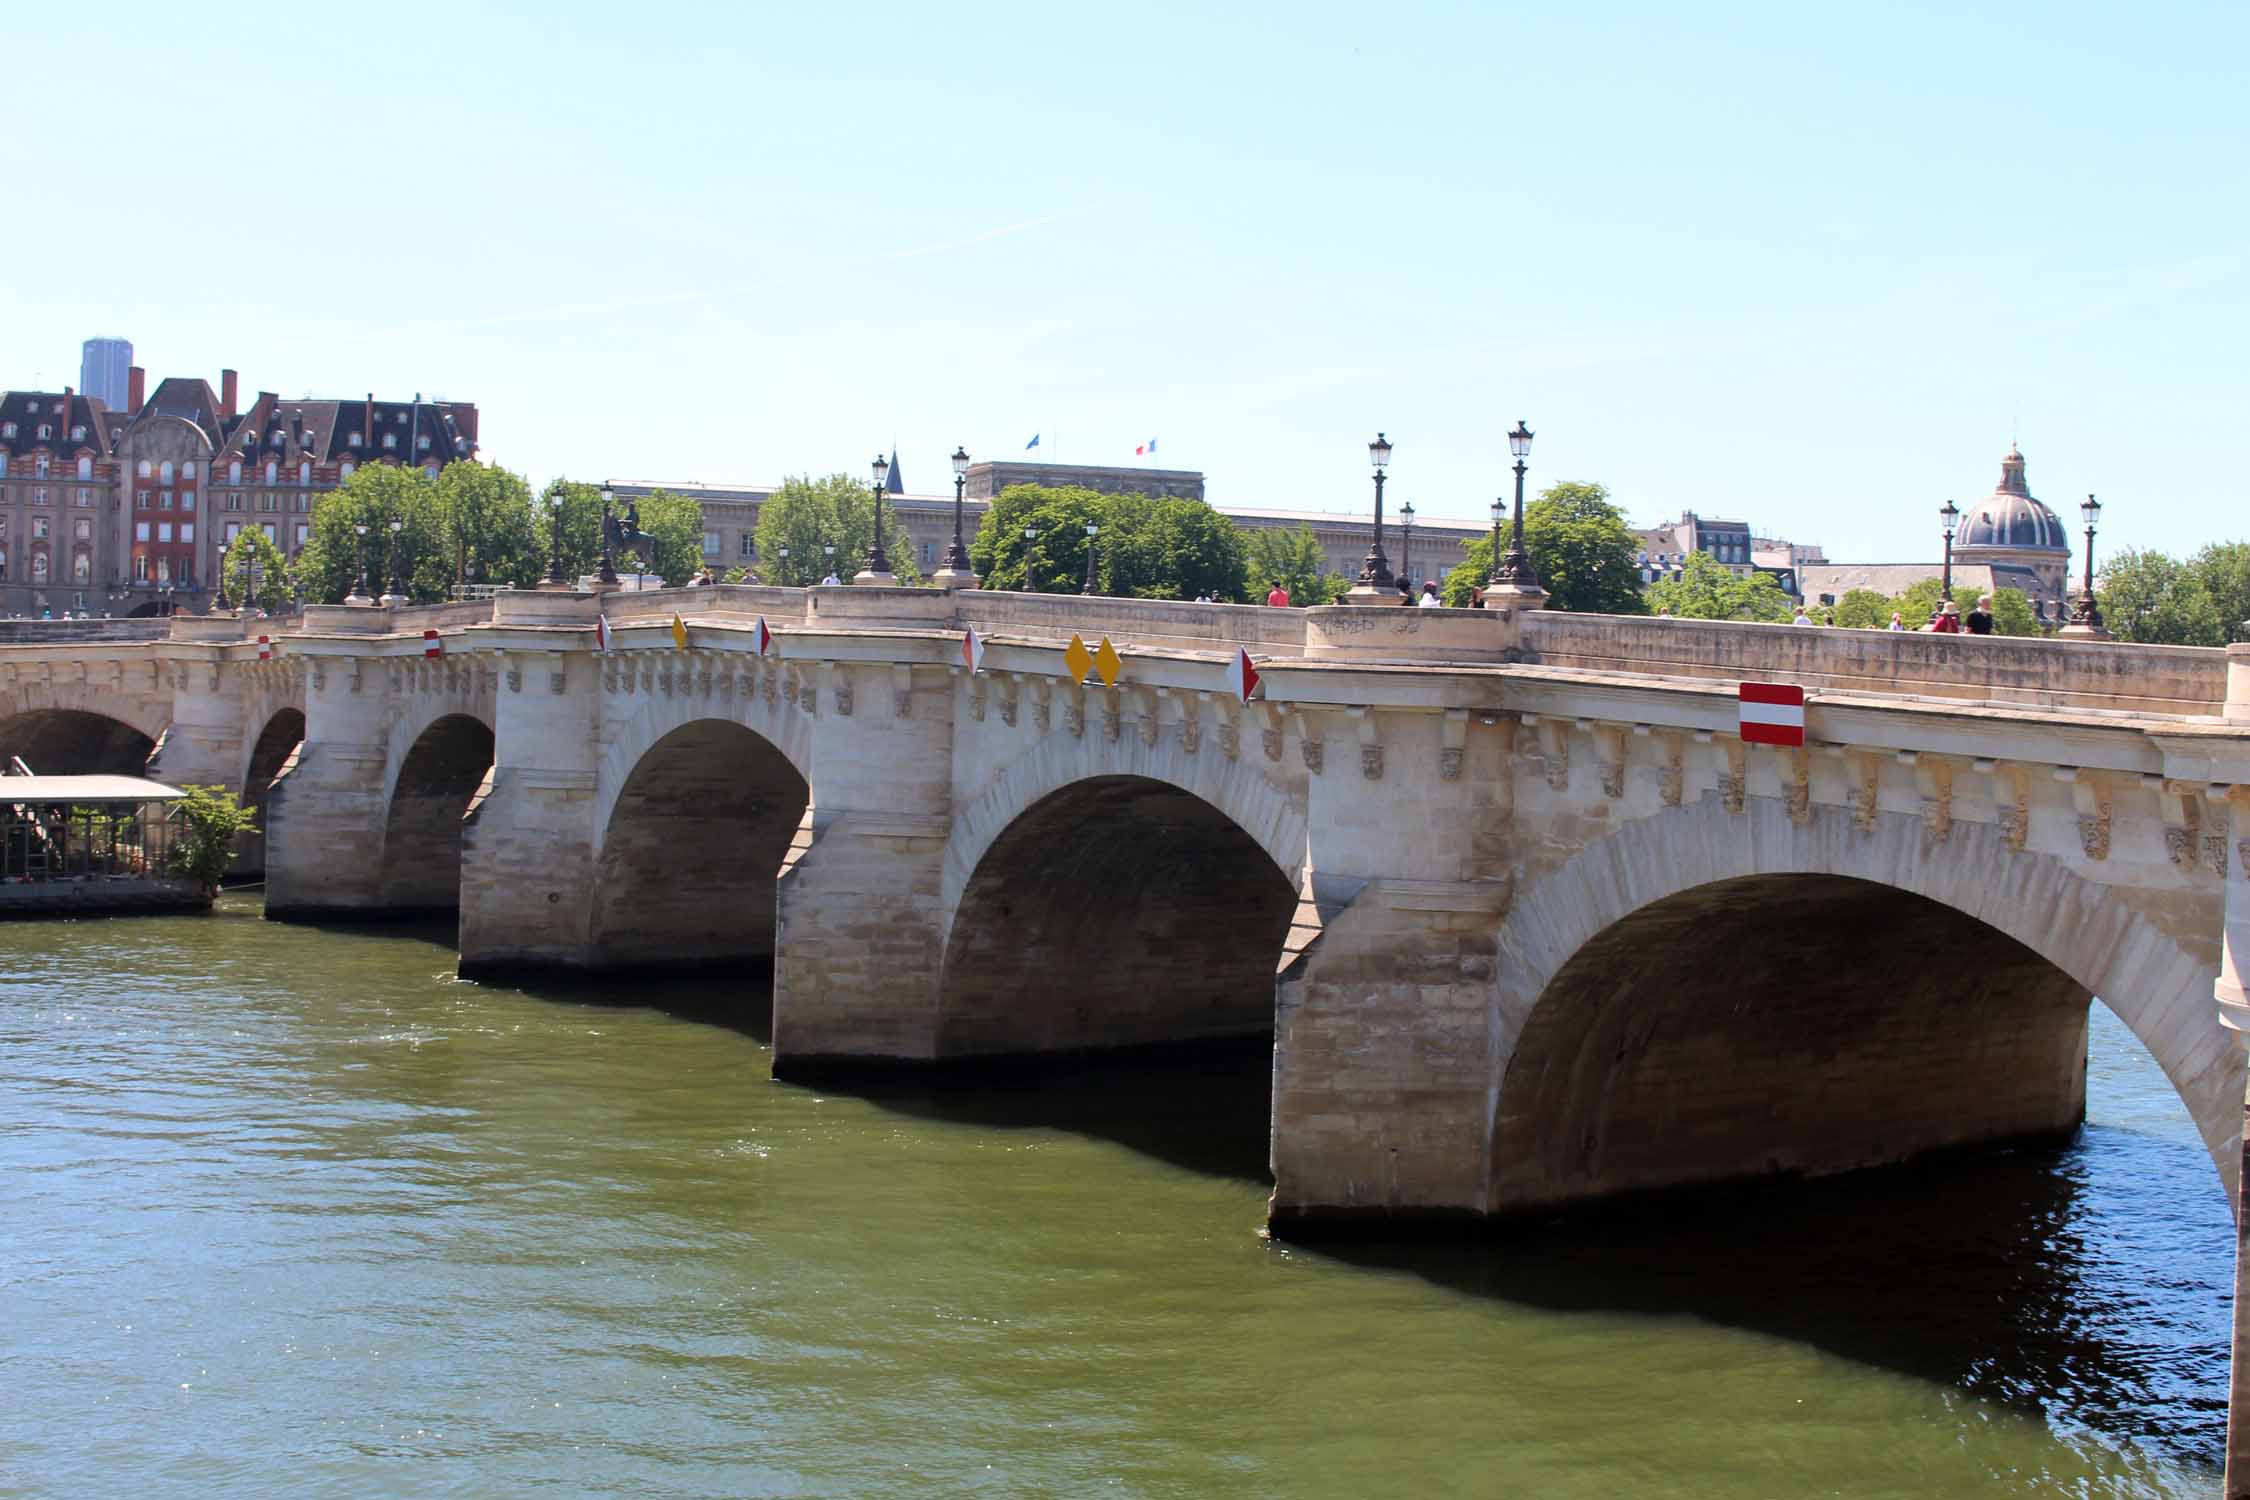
x: 2233, y: 995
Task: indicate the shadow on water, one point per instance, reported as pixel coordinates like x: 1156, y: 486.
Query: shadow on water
x: 1996, y: 1273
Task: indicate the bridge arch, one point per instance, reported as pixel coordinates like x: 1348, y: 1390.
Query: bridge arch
x: 431, y: 787
x: 693, y: 838
x: 64, y: 738
x: 1117, y: 910
x: 1660, y: 1021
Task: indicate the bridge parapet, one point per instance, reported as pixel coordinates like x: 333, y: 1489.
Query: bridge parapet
x: 2041, y: 673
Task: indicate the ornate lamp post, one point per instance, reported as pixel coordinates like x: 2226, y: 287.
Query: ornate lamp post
x: 1091, y: 531
x: 359, y: 593
x: 1030, y: 564
x: 1513, y: 579
x: 782, y: 552
x: 250, y: 584
x: 1375, y: 574
x: 2085, y: 611
x: 957, y: 572
x: 1406, y: 544
x: 828, y: 553
x: 878, y: 569
x: 1949, y: 517
x: 397, y: 595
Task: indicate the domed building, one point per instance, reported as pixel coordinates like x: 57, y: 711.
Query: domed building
x: 2020, y: 539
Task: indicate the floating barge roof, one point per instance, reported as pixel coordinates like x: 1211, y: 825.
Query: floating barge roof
x: 85, y: 789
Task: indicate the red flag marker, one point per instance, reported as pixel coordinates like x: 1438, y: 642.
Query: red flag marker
x: 601, y: 633
x: 1772, y: 713
x: 265, y: 648
x: 764, y: 637
x: 1242, y: 677
x: 431, y: 645
x: 972, y: 652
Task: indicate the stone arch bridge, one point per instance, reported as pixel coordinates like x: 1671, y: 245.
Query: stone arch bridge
x: 1529, y: 923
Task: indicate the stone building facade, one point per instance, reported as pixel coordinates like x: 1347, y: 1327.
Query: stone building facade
x: 58, y: 482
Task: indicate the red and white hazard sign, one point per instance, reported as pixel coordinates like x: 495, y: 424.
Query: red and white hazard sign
x: 1773, y: 713
x: 431, y: 645
x: 265, y: 648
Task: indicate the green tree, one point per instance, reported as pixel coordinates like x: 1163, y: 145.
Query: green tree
x: 208, y: 821
x: 275, y: 585
x: 674, y: 524
x: 1703, y: 589
x: 581, y: 506
x: 1146, y: 549
x: 492, y: 535
x: 372, y: 498
x: 808, y: 516
x: 2157, y: 600
x: 1864, y: 609
x: 2224, y: 570
x: 2011, y: 614
x: 1579, y: 546
x: 1291, y: 557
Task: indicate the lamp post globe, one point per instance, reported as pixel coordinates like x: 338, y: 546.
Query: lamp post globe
x: 878, y: 567
x: 1091, y: 531
x: 358, y: 594
x: 1514, y: 581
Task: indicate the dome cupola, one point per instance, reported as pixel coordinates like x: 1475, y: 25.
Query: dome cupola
x: 2010, y: 518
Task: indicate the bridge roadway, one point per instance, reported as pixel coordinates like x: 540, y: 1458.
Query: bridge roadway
x: 1529, y: 924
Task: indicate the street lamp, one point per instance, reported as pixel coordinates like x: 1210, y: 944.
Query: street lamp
x: 1091, y: 530
x: 398, y: 558
x: 2085, y: 610
x: 782, y: 552
x: 359, y: 585
x: 1949, y: 517
x: 1030, y: 566
x: 1406, y: 540
x: 829, y: 552
x: 957, y: 572
x: 1375, y: 574
x: 1515, y: 578
x: 878, y: 569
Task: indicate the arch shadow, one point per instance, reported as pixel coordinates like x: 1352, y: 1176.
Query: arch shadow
x: 438, y: 779
x: 693, y: 849
x: 74, y: 742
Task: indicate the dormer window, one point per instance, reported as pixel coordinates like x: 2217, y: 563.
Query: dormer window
x: 273, y: 473
x: 390, y: 440
x: 234, y: 472
x: 423, y: 442
x: 164, y: 472
x: 45, y: 432
x: 304, y: 473
x: 353, y: 440
x: 187, y: 470
x: 85, y: 467
x: 144, y: 470
x: 277, y: 437
x: 78, y: 433
x: 39, y: 465
x: 346, y: 470
x: 7, y: 429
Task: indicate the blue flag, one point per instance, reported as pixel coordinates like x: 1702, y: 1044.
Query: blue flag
x: 1032, y: 444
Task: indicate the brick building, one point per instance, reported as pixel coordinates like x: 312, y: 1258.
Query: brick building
x: 128, y: 511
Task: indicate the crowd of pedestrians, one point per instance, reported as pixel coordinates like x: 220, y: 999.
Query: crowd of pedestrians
x: 1946, y: 619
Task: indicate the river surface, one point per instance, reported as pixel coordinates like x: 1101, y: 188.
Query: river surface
x: 292, y: 1212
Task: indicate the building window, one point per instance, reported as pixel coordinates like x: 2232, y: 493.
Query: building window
x: 711, y: 544
x: 164, y: 531
x: 39, y: 497
x: 45, y: 432
x: 82, y: 530
x: 7, y: 429
x: 272, y: 533
x: 187, y: 499
x: 234, y: 471
x: 269, y: 502
x: 304, y: 533
x: 390, y: 440
x: 140, y: 531
x: 164, y: 570
x: 234, y: 529
x: 749, y: 547
x: 163, y: 499
x: 304, y: 473
x: 349, y: 467
x: 81, y: 566
x: 38, y: 567
x: 85, y: 467
x: 353, y: 440
x: 187, y: 531
x: 273, y: 472
x: 234, y: 501
x: 423, y: 442
x: 3, y: 562
x: 39, y: 467
x: 38, y: 528
x: 164, y: 472
x: 929, y: 553
x: 187, y: 470
x: 83, y: 499
x: 78, y: 433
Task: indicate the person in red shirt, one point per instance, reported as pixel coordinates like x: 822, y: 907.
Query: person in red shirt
x: 1279, y: 598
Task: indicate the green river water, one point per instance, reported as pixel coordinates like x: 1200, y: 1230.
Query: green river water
x: 292, y: 1212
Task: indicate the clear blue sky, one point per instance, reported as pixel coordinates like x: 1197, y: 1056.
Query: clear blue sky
x: 1806, y: 265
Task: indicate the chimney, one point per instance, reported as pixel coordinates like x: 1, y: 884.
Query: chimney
x: 367, y: 425
x: 136, y: 387
x: 227, y: 391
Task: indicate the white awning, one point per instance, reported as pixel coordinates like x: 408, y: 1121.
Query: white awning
x: 85, y: 789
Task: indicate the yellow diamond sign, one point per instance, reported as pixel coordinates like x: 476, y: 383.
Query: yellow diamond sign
x: 1078, y: 658
x: 1107, y: 662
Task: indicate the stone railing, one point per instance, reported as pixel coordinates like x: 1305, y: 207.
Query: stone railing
x: 2012, y: 670
x: 47, y: 632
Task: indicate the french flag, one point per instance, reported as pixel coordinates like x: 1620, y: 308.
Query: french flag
x: 1147, y: 447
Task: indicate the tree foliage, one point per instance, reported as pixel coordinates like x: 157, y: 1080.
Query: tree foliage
x: 1292, y: 558
x: 252, y: 556
x: 473, y: 523
x: 1145, y: 549
x: 674, y: 524
x: 2159, y: 600
x: 2223, y: 568
x: 1579, y: 546
x: 1703, y: 589
x: 210, y: 820
x: 808, y: 515
x: 1864, y: 609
